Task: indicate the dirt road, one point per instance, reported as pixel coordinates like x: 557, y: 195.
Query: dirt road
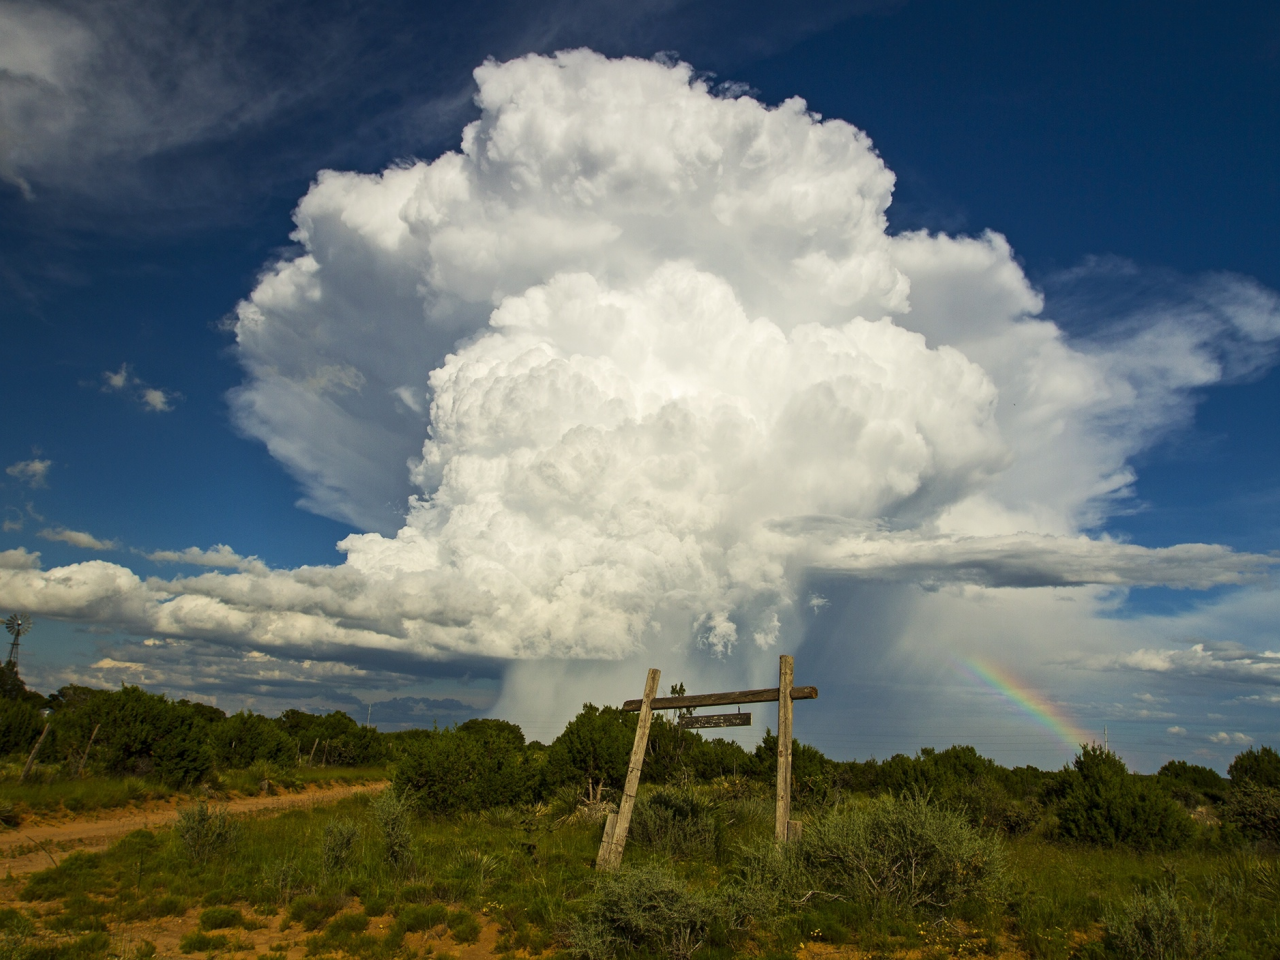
x: 42, y: 841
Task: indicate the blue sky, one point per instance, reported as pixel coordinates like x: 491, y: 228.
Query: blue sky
x: 153, y: 157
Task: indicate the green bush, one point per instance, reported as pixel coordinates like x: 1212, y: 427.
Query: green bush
x: 415, y: 918
x: 1192, y: 784
x: 463, y: 926
x: 203, y: 832
x: 1159, y: 926
x: 676, y: 822
x: 338, y: 844
x: 1261, y: 766
x: 197, y: 941
x: 472, y: 768
x: 902, y: 854
x: 1103, y: 804
x: 220, y: 918
x: 594, y: 749
x: 1255, y: 810
x: 312, y: 912
x: 641, y: 909
x: 392, y: 813
x: 244, y: 739
x: 20, y: 726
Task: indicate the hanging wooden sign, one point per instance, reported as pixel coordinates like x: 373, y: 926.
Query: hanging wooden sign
x: 714, y: 720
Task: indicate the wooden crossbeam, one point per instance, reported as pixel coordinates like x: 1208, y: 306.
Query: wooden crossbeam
x: 715, y: 720
x: 768, y: 695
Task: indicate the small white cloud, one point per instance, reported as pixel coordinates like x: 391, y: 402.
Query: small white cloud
x: 77, y: 538
x: 157, y: 400
x: 817, y: 602
x: 117, y: 380
x: 151, y: 398
x: 1150, y: 698
x: 219, y: 555
x: 19, y: 559
x: 1177, y: 731
x: 31, y: 472
x: 1224, y: 737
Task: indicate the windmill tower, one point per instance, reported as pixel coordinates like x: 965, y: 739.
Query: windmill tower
x: 17, y: 625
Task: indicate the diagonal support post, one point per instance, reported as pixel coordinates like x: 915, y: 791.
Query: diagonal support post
x: 615, y: 831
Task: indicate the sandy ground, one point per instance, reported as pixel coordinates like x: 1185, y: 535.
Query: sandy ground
x: 41, y: 841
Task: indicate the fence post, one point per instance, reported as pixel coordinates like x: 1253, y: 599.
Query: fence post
x: 782, y: 813
x: 613, y: 842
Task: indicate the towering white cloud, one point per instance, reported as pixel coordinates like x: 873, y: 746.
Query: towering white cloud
x: 638, y: 360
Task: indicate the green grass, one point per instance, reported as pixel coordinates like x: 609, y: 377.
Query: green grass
x: 531, y: 872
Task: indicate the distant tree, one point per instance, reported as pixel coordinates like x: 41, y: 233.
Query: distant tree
x: 1261, y: 767
x: 246, y: 738
x: 1102, y: 803
x: 20, y: 725
x: 594, y: 748
x: 1192, y: 784
x: 479, y: 765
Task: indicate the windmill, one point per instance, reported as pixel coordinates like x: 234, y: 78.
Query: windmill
x: 17, y: 625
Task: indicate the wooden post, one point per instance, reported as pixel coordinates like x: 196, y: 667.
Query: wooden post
x: 782, y: 813
x: 84, y: 759
x: 31, y: 760
x: 613, y: 842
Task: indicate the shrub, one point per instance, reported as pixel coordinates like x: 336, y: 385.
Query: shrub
x: 244, y: 739
x: 1103, y: 804
x: 220, y: 918
x: 1255, y: 810
x: 415, y: 918
x: 20, y: 726
x: 1189, y: 782
x: 1261, y: 766
x: 463, y: 926
x: 203, y: 832
x: 643, y: 908
x: 677, y: 822
x: 338, y: 844
x: 594, y: 748
x: 1158, y: 926
x: 312, y: 912
x: 197, y: 941
x: 903, y: 854
x: 470, y: 768
x: 392, y: 812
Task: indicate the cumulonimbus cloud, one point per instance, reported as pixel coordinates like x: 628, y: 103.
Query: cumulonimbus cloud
x: 637, y: 360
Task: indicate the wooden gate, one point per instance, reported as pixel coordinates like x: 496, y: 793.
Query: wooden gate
x: 616, y: 827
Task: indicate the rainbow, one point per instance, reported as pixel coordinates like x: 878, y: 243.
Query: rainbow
x: 1034, y: 704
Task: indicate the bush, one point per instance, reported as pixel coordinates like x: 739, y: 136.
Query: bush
x: 1255, y: 810
x: 394, y: 817
x: 338, y: 844
x: 1261, y: 766
x: 20, y: 726
x: 645, y: 908
x: 470, y: 768
x: 1103, y: 804
x: 204, y: 832
x: 903, y: 854
x: 594, y: 749
x: 244, y: 739
x: 312, y: 912
x: 1191, y: 783
x: 676, y: 822
x: 1157, y: 926
x: 220, y: 918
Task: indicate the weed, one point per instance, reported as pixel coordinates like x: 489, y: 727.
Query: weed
x: 415, y: 918
x: 220, y: 918
x: 203, y: 832
x: 676, y: 822
x: 197, y: 941
x: 338, y: 844
x: 312, y: 912
x: 642, y: 908
x: 393, y: 815
x: 1159, y: 926
x: 463, y: 926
